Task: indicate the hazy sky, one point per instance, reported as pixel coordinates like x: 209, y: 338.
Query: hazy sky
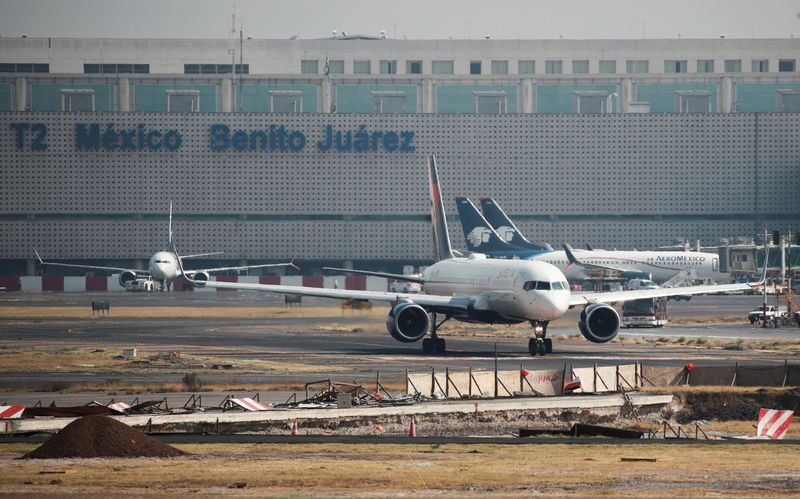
x: 419, y: 19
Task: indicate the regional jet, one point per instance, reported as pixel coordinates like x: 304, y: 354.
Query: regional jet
x: 163, y: 267
x: 482, y: 290
x: 660, y: 266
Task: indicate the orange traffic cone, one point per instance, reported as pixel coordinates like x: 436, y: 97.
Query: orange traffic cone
x: 412, y: 432
x: 295, y: 429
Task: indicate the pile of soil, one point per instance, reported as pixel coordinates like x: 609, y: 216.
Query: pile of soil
x: 736, y: 406
x: 101, y: 436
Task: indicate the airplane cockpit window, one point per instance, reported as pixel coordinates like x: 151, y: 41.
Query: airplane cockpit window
x: 557, y: 285
x: 542, y: 286
x: 529, y: 285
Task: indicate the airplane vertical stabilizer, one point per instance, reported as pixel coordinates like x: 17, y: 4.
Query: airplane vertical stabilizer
x: 479, y: 235
x: 505, y: 227
x: 441, y: 238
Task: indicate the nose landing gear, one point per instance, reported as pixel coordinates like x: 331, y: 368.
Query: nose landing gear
x: 540, y: 344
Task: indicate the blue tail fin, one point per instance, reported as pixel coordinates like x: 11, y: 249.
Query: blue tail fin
x: 506, y: 228
x: 441, y: 238
x: 480, y: 236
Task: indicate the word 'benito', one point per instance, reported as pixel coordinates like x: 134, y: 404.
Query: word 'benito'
x: 282, y: 139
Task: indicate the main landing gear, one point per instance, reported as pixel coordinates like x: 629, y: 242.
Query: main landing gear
x: 540, y: 344
x: 434, y: 344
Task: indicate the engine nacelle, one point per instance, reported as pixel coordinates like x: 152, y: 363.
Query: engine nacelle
x: 201, y: 276
x: 599, y: 323
x: 126, y: 276
x: 408, y: 322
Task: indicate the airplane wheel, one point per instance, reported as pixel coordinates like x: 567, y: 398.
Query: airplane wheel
x: 533, y: 347
x: 427, y: 345
x: 439, y: 345
x: 542, y: 348
x: 548, y: 345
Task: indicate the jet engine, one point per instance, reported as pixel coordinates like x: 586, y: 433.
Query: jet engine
x: 408, y: 322
x: 200, y: 276
x: 126, y: 276
x: 599, y: 323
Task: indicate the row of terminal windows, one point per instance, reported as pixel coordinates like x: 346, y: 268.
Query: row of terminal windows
x: 24, y: 67
x: 501, y: 67
x: 212, y: 69
x: 116, y: 68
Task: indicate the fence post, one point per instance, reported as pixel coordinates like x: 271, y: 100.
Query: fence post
x: 470, y: 381
x: 564, y: 379
x: 785, y: 372
x: 433, y: 381
x: 407, y: 387
x: 594, y: 381
x: 735, y: 374
x: 495, y: 370
x: 447, y: 382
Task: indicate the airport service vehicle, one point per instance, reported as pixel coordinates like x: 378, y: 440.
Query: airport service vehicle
x: 598, y: 264
x: 650, y: 312
x: 773, y: 314
x: 483, y: 290
x: 162, y: 268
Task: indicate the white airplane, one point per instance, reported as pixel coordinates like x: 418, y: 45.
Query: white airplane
x: 163, y: 266
x: 659, y: 266
x: 482, y: 290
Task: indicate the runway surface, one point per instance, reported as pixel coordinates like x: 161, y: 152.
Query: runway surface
x: 352, y: 345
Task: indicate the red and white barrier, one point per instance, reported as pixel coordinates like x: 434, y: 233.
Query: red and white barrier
x: 11, y: 411
x: 249, y: 404
x: 773, y: 423
x: 72, y: 284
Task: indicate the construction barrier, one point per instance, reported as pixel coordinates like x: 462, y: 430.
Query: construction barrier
x: 38, y: 284
x: 489, y: 384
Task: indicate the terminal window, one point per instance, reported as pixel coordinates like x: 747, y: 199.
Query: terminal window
x: 24, y: 67
x: 526, y: 67
x: 552, y: 67
x: 388, y: 102
x: 388, y: 67
x: 786, y: 65
x: 76, y: 100
x: 116, y: 68
x: 789, y: 101
x: 637, y: 67
x: 674, y: 66
x: 362, y: 67
x: 580, y: 67
x: 286, y: 101
x: 733, y: 65
x: 442, y: 67
x: 490, y: 102
x: 196, y: 69
x: 692, y: 101
x: 475, y: 67
x: 499, y: 67
x: 336, y: 67
x: 705, y: 65
x: 608, y: 67
x: 414, y: 67
x: 183, y: 101
x: 760, y: 66
x: 309, y: 66
x: 592, y: 102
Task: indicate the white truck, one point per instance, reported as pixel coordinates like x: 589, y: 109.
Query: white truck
x: 774, y: 315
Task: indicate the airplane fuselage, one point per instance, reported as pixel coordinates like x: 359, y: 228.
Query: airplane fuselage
x: 513, y: 290
x: 163, y: 266
x: 661, y: 265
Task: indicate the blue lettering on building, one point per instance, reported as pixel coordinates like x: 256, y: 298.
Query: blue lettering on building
x: 94, y: 137
x: 38, y: 132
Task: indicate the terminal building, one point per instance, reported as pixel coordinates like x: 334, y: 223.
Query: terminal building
x: 316, y: 149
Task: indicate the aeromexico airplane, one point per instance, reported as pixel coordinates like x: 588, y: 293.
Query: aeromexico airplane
x: 482, y: 290
x: 163, y: 266
x: 481, y: 236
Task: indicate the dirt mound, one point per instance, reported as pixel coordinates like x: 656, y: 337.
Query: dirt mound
x: 101, y: 436
x: 733, y: 406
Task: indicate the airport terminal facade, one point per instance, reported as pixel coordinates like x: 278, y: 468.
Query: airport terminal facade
x: 316, y: 149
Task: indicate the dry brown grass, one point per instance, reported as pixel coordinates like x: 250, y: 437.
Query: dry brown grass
x: 392, y: 470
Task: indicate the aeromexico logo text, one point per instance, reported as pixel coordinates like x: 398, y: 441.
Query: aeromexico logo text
x: 111, y: 137
x: 681, y: 258
x: 279, y: 138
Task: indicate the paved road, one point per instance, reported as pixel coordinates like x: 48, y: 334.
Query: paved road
x: 352, y: 345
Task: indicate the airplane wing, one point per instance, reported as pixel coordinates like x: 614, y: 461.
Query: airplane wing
x: 198, y: 255
x: 245, y: 267
x: 579, y: 298
x: 587, y: 265
x: 431, y: 302
x: 397, y: 277
x: 91, y: 267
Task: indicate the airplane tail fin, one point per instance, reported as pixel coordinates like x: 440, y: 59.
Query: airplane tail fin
x: 505, y: 227
x: 479, y: 234
x: 170, y: 245
x: 441, y: 238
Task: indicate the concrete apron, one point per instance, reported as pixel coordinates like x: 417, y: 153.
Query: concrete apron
x: 599, y: 404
